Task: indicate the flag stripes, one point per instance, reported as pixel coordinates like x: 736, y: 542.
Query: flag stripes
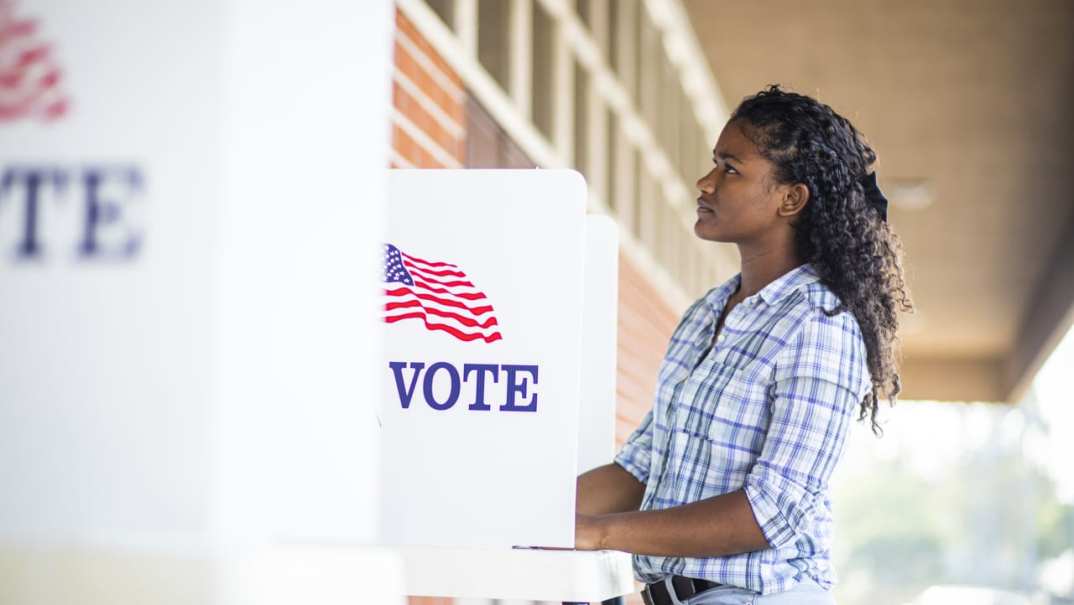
x: 438, y: 293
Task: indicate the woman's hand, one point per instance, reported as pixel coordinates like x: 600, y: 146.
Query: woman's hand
x: 589, y: 532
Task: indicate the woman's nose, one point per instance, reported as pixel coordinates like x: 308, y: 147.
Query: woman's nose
x: 706, y: 184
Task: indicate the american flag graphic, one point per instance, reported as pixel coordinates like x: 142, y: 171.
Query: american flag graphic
x: 437, y: 293
x: 29, y: 76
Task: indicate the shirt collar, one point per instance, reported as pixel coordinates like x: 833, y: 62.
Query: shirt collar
x: 780, y: 288
x: 786, y: 284
x: 718, y: 296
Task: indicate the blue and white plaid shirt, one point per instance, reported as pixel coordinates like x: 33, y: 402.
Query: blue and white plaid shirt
x: 766, y: 410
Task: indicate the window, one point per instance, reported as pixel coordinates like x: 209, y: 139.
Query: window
x: 584, y: 8
x: 643, y: 223
x: 493, y: 46
x: 637, y: 16
x: 581, y: 119
x: 668, y: 113
x: 611, y: 189
x: 687, y: 138
x: 638, y: 175
x: 445, y: 9
x: 705, y: 142
x: 612, y: 52
x: 666, y: 236
x: 626, y: 181
x: 542, y: 90
x: 648, y: 82
x: 626, y: 37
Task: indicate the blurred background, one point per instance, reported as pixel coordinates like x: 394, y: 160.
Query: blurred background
x: 969, y: 495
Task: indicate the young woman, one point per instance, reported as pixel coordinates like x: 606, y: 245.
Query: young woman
x: 722, y: 492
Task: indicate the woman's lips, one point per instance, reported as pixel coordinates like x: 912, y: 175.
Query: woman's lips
x: 703, y: 208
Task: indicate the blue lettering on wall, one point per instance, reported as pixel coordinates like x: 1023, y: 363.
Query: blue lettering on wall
x: 519, y: 391
x: 101, y: 212
x: 100, y: 194
x: 480, y: 369
x: 405, y: 393
x: 516, y: 387
x: 453, y: 394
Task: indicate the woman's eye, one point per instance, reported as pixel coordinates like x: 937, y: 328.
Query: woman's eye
x: 726, y: 167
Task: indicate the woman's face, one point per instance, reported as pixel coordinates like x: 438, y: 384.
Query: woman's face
x: 739, y: 198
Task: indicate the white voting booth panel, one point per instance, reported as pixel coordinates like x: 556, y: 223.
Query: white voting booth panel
x: 600, y: 324
x: 473, y: 468
x: 188, y: 190
x: 482, y: 352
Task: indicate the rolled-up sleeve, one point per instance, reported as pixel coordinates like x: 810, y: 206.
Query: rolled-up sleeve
x: 636, y: 454
x: 818, y: 384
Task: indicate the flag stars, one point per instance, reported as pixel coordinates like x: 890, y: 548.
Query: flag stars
x: 452, y: 305
x: 393, y: 267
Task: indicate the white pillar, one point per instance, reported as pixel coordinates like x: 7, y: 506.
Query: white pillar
x: 187, y: 362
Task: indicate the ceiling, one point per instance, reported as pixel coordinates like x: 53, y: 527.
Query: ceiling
x: 975, y: 99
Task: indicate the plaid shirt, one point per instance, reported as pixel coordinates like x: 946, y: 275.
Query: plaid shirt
x: 767, y: 410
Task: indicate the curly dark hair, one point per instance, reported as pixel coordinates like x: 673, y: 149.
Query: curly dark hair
x: 852, y: 248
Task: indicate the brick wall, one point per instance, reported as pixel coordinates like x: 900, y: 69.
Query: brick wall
x: 428, y: 103
x: 646, y: 322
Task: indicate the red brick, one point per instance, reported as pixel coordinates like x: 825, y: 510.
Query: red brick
x: 645, y: 325
x: 425, y: 83
x: 411, y: 151
x: 427, y: 123
x: 430, y: 601
x: 405, y: 26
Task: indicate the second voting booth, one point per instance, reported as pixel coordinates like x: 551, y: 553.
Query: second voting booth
x: 188, y: 209
x: 497, y: 382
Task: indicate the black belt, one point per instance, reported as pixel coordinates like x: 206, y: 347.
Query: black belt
x: 657, y: 592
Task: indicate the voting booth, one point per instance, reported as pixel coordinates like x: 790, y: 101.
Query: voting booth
x: 190, y: 192
x: 483, y: 289
x: 498, y: 381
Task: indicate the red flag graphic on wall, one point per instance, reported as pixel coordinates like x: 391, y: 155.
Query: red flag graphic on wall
x: 30, y: 79
x: 438, y: 294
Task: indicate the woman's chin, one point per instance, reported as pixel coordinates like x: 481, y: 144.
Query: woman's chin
x: 706, y: 231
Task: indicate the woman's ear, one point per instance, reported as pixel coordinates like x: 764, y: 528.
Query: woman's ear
x: 794, y: 200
